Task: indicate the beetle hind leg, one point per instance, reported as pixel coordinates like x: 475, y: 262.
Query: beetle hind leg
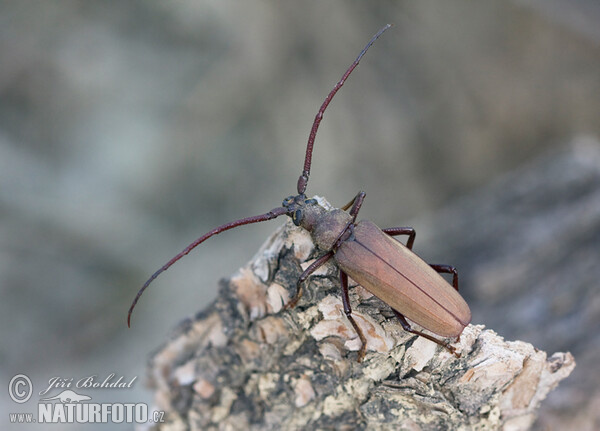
x: 348, y: 312
x: 406, y: 326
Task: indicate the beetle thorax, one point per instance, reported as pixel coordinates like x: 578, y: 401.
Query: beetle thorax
x: 329, y: 227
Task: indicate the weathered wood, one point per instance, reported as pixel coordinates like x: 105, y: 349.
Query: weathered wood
x: 243, y: 363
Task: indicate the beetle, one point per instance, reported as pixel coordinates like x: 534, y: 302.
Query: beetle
x: 381, y: 264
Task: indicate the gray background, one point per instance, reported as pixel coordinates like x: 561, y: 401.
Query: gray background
x: 128, y: 129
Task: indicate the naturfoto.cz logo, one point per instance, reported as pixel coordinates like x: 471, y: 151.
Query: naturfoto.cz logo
x: 70, y: 406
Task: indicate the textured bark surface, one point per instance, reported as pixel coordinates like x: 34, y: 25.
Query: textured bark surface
x: 527, y: 247
x: 244, y: 363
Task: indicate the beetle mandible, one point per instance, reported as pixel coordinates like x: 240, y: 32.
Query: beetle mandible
x: 382, y: 265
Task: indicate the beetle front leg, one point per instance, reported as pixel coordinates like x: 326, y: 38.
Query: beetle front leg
x: 307, y: 272
x: 406, y: 326
x: 355, y: 203
x: 393, y: 231
x: 358, y: 201
x: 348, y: 311
x: 349, y: 204
x: 447, y: 269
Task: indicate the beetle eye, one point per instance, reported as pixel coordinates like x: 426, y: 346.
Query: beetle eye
x: 288, y: 201
x: 297, y: 217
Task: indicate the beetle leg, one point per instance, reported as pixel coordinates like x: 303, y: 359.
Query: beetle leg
x: 406, y: 326
x: 360, y: 196
x: 349, y: 204
x: 358, y: 201
x: 308, y: 271
x: 447, y: 269
x: 348, y: 311
x: 393, y: 231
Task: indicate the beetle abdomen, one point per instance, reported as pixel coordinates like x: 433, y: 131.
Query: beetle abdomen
x: 400, y: 278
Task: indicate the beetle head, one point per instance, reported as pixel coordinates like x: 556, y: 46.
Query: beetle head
x: 303, y: 212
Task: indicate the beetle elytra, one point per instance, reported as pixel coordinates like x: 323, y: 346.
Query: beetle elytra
x: 368, y: 254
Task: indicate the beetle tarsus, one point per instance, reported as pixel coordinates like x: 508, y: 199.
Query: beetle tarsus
x: 296, y: 297
x: 406, y: 326
x: 457, y: 354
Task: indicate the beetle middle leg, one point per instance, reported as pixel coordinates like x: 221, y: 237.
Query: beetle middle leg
x: 406, y: 326
x: 447, y: 269
x: 307, y: 272
x: 348, y: 312
x: 393, y: 231
x: 442, y: 269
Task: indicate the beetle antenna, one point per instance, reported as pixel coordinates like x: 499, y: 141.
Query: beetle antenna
x: 248, y: 220
x: 303, y: 180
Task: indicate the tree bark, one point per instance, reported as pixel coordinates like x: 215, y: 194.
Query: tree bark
x: 245, y: 363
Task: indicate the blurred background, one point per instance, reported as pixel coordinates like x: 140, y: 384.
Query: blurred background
x: 128, y: 129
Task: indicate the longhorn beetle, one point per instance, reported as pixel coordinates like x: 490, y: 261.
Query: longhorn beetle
x: 368, y: 254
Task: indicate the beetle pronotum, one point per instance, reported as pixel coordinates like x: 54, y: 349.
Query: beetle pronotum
x: 385, y: 267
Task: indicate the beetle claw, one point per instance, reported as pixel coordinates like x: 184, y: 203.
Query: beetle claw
x: 294, y: 300
x: 361, y: 354
x: 452, y: 350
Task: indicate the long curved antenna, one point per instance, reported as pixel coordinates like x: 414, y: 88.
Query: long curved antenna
x: 303, y: 180
x: 248, y: 220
